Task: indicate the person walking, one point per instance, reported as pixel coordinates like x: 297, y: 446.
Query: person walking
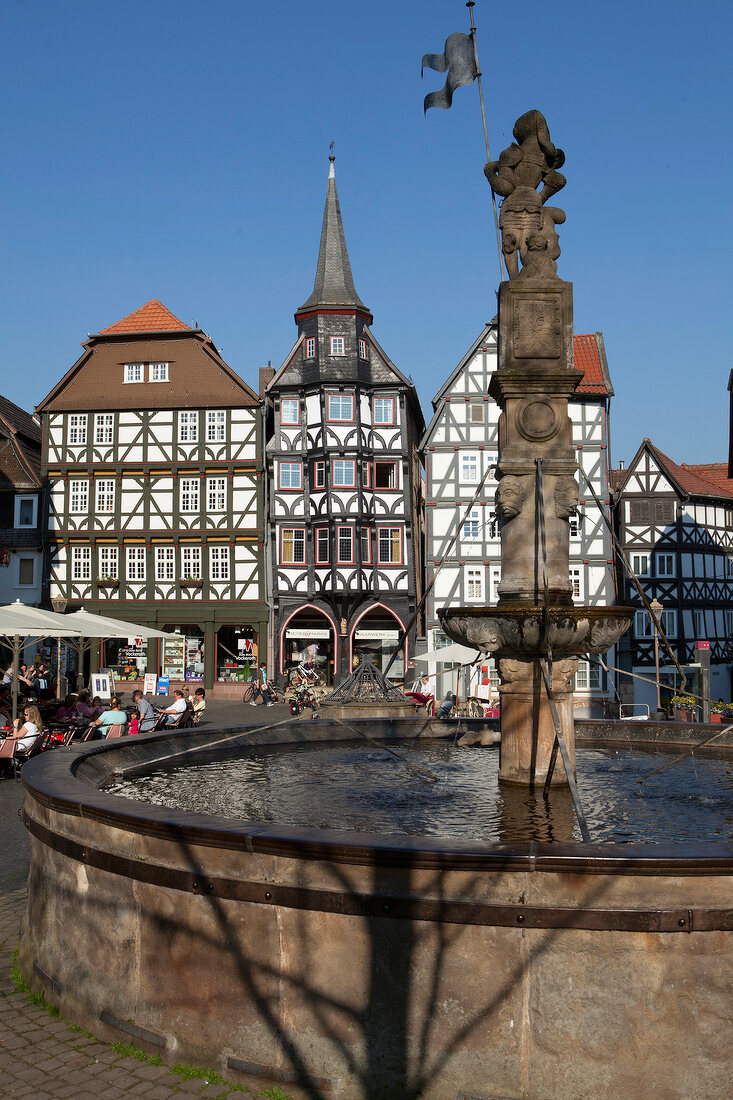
x: 262, y: 689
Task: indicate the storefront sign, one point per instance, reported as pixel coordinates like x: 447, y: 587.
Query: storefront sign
x: 163, y: 685
x: 101, y: 685
x: 377, y: 635
x: 150, y: 683
x: 305, y: 633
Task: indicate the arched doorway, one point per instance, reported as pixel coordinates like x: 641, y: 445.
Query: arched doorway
x: 376, y: 632
x: 308, y: 636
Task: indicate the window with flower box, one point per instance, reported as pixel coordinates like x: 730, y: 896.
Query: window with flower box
x: 190, y: 563
x: 108, y: 563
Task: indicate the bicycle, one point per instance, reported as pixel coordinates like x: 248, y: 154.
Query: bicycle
x: 301, y: 698
x: 250, y: 690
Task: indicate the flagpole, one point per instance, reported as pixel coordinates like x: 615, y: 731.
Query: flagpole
x: 470, y: 5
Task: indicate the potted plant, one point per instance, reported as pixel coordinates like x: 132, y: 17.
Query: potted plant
x: 191, y: 582
x: 684, y: 707
x: 107, y: 582
x: 721, y: 712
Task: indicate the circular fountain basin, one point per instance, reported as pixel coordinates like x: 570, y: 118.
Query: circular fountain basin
x: 518, y: 630
x: 363, y: 965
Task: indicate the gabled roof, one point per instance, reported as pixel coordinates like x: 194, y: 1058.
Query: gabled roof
x: 20, y: 447
x: 707, y: 480
x: 334, y: 283
x: 152, y: 317
x: 20, y: 420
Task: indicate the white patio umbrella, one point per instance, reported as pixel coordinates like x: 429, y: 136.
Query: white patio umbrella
x: 91, y: 627
x: 452, y: 654
x: 19, y: 624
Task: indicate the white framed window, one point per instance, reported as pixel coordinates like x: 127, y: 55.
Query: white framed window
x: 165, y: 563
x: 323, y: 546
x: 78, y: 497
x: 188, y: 427
x: 81, y: 563
x: 158, y: 372
x: 469, y: 467
x: 191, y: 563
x: 310, y: 347
x: 363, y: 349
x: 291, y: 475
x: 26, y: 572
x: 319, y: 475
x: 104, y: 424
x: 219, y: 563
x: 134, y: 372
x: 290, y: 410
x: 643, y: 627
x: 471, y: 526
x: 385, y: 475
x: 366, y: 546
x: 383, y: 410
x: 340, y: 406
x: 476, y: 413
x: 366, y: 479
x: 216, y: 494
x: 338, y: 346
x: 189, y: 494
x: 588, y: 676
x: 108, y: 563
x: 698, y: 620
x: 474, y: 582
x: 343, y: 473
x: 640, y: 564
x: 665, y: 565
x: 292, y: 546
x: 105, y: 495
x: 26, y: 511
x: 216, y: 426
x: 345, y: 545
x: 576, y: 582
x: 494, y: 581
x: 135, y: 563
x: 76, y: 429
x: 389, y: 545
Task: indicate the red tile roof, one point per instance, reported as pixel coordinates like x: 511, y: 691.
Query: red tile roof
x: 706, y: 480
x: 588, y: 359
x: 152, y: 317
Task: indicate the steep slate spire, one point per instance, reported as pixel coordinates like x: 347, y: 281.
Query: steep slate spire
x: 334, y: 285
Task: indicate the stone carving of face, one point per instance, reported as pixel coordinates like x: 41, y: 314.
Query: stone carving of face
x: 566, y: 497
x: 510, y: 497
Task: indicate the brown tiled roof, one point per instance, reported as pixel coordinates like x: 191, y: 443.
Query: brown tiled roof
x: 714, y: 472
x: 589, y: 356
x: 690, y: 478
x: 19, y: 419
x: 152, y: 317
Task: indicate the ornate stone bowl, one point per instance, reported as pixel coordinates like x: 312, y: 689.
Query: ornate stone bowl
x: 518, y: 630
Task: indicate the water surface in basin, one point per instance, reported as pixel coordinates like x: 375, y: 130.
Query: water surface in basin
x: 445, y: 791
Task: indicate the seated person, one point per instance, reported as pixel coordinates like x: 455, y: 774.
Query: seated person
x: 134, y: 724
x: 198, y: 702
x: 115, y: 716
x: 67, y: 710
x: 421, y: 691
x: 176, y: 709
x: 447, y: 706
x: 147, y: 715
x: 84, y: 706
x: 27, y: 730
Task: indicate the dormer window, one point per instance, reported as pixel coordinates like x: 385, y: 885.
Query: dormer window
x: 134, y: 372
x: 362, y: 349
x: 158, y: 372
x: 310, y: 347
x: 338, y: 346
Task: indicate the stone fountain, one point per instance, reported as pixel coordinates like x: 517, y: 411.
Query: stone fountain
x: 536, y: 631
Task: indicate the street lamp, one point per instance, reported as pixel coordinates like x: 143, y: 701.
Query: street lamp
x: 58, y: 603
x: 657, y: 609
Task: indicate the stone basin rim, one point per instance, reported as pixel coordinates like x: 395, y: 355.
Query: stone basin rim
x: 515, y: 630
x: 52, y: 781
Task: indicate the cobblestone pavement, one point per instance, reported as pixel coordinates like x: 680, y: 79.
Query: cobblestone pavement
x: 44, y: 1057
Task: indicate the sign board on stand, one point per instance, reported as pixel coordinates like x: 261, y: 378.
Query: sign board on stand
x: 101, y: 685
x: 163, y: 685
x: 150, y: 683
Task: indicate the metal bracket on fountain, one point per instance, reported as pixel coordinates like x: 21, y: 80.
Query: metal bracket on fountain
x: 535, y: 617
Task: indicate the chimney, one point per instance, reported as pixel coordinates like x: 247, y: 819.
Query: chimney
x: 621, y: 465
x: 266, y: 376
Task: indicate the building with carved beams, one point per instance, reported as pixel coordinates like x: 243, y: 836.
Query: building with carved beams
x: 152, y: 452
x: 21, y: 540
x: 463, y: 547
x: 675, y: 524
x: 344, y: 482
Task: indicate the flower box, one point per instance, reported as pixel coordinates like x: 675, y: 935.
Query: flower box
x: 191, y: 582
x: 107, y: 582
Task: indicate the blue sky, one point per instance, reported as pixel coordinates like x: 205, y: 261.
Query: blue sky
x: 178, y: 149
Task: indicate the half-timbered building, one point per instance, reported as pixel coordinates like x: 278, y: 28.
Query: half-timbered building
x: 675, y: 524
x: 344, y: 481
x: 152, y: 454
x: 21, y: 512
x: 463, y: 546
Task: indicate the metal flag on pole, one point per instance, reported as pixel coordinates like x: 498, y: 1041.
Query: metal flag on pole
x: 460, y: 60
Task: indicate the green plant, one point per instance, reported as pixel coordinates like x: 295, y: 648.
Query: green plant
x: 275, y: 1093
x: 22, y: 986
x: 684, y: 702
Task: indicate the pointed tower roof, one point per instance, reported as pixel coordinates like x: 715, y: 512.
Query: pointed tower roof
x: 334, y: 285
x: 152, y: 317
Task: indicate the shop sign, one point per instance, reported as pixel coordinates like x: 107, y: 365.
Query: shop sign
x: 163, y: 685
x: 150, y: 684
x: 377, y: 635
x: 305, y: 633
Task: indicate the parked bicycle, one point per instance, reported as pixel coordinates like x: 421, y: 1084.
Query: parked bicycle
x: 301, y: 698
x: 250, y: 689
x: 305, y: 675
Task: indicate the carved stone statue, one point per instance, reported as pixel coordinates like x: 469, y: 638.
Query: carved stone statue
x: 566, y: 497
x: 510, y: 496
x: 528, y: 231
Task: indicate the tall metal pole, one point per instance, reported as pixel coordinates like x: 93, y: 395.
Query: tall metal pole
x: 656, y: 608
x: 470, y: 5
